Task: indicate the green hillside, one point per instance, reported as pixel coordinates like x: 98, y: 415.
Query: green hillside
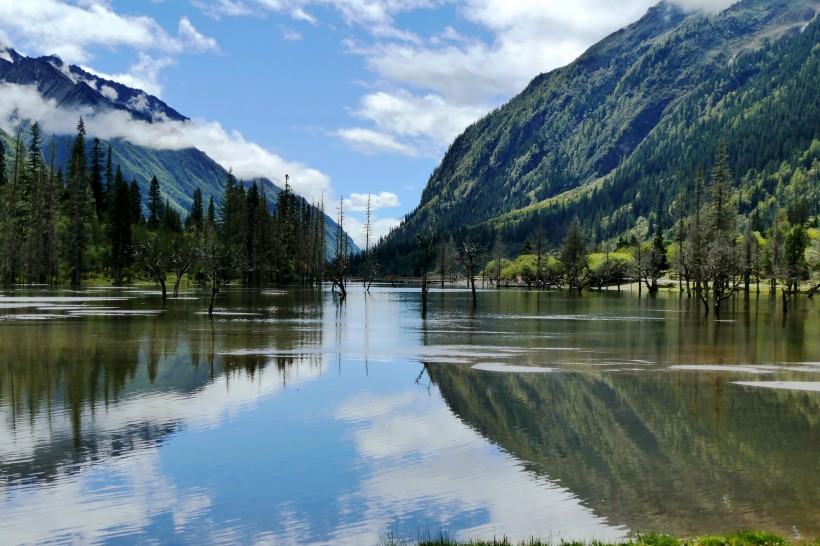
x: 615, y: 135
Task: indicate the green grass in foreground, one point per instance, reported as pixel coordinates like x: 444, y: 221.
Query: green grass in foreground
x: 739, y: 538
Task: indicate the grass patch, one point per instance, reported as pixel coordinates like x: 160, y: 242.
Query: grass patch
x: 738, y: 538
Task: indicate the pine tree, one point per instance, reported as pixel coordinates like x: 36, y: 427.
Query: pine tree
x: 12, y: 227
x: 196, y: 217
x: 136, y: 203
x: 119, y: 227
x: 109, y: 180
x: 156, y: 206
x: 80, y: 206
x: 96, y: 175
x: 32, y: 197
x: 574, y: 256
x: 211, y: 217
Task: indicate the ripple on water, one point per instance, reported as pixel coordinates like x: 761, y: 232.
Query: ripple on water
x: 810, y: 386
x: 507, y: 368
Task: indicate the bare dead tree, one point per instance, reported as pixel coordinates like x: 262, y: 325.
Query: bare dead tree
x: 427, y: 241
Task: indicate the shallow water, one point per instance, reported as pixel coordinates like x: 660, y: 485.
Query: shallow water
x: 289, y: 418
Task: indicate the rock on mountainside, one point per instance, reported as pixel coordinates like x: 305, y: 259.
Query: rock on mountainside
x: 613, y: 135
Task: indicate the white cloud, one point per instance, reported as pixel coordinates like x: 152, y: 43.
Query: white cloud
x: 429, y: 92
x: 379, y: 227
x: 230, y: 149
x: 431, y: 116
x: 68, y: 30
x: 145, y: 74
x: 709, y: 6
x: 193, y: 39
x: 368, y: 142
x: 72, y: 31
x: 109, y: 92
x: 290, y: 35
x: 357, y: 202
x: 217, y: 8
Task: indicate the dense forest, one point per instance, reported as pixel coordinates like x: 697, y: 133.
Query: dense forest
x: 88, y: 222
x: 618, y: 137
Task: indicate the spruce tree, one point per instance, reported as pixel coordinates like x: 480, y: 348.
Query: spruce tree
x: 211, y: 218
x: 80, y: 207
x: 96, y: 175
x: 119, y: 228
x: 155, y: 205
x: 574, y: 256
x: 196, y: 218
x: 136, y: 203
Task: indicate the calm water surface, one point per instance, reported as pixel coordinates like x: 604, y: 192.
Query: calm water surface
x: 292, y: 419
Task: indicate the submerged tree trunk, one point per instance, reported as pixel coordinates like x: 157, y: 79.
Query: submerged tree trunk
x: 214, y: 292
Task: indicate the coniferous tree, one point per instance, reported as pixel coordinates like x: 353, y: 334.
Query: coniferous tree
x: 574, y: 256
x: 108, y: 191
x: 44, y: 222
x: 32, y: 197
x: 170, y: 220
x: 119, y: 227
x: 722, y: 258
x: 12, y: 207
x: 96, y: 175
x: 196, y: 217
x: 156, y: 207
x: 80, y: 207
x: 136, y: 203
x: 210, y: 219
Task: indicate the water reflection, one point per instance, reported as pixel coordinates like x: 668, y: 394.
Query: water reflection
x: 677, y: 452
x: 291, y: 419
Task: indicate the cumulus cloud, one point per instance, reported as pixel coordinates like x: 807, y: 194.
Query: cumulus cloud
x: 357, y: 202
x: 379, y: 227
x: 69, y: 30
x: 230, y: 149
x: 401, y: 113
x: 432, y: 90
x: 368, y: 142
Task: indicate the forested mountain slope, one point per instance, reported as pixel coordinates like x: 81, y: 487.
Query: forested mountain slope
x: 179, y: 172
x: 615, y: 135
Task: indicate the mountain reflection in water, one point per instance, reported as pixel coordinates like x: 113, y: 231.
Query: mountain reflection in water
x: 292, y: 418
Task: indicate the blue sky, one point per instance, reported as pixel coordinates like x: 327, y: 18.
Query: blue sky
x: 348, y: 97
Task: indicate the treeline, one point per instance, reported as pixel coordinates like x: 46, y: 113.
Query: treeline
x: 87, y: 221
x: 712, y: 251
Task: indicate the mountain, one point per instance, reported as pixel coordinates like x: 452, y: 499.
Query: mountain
x: 179, y: 172
x: 613, y: 136
x: 72, y: 87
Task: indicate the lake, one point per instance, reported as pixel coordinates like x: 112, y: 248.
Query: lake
x: 292, y: 418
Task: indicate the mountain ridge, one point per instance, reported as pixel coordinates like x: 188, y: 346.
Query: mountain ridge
x: 577, y: 126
